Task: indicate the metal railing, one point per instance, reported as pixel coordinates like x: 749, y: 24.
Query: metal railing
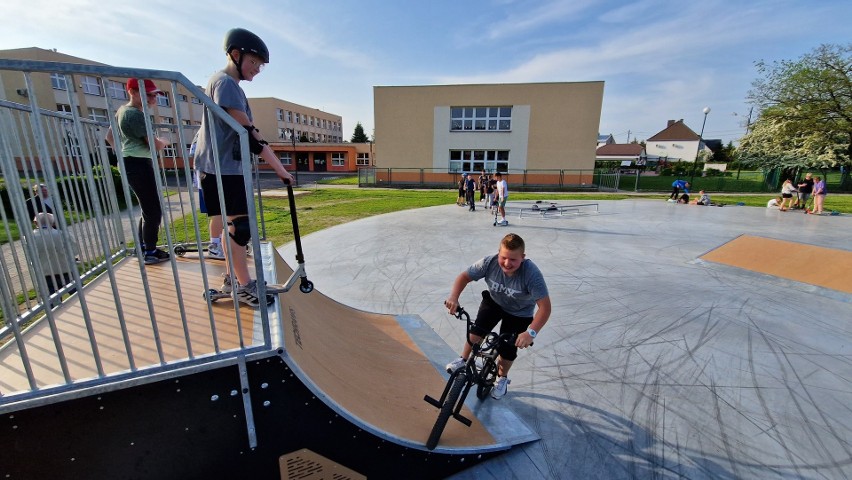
x: 96, y: 225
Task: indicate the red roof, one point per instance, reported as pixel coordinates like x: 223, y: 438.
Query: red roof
x: 620, y: 149
x: 675, y: 131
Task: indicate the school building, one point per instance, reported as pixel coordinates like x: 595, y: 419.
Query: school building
x: 305, y: 138
x: 538, y: 133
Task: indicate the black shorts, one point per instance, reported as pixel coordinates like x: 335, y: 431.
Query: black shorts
x: 490, y: 314
x: 786, y: 195
x: 234, y: 191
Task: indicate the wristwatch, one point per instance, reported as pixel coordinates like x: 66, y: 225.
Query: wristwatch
x: 532, y: 333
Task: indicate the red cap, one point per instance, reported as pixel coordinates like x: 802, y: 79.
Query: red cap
x: 150, y: 86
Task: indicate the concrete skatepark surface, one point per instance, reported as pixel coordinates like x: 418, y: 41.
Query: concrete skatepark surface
x: 655, y: 363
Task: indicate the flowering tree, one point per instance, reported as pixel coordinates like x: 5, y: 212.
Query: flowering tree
x: 805, y: 117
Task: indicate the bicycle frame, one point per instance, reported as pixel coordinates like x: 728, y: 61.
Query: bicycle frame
x: 480, y: 369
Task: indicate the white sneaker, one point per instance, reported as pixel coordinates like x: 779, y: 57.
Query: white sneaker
x: 501, y: 386
x: 248, y: 294
x: 504, y: 222
x: 455, y: 365
x: 227, y: 285
x: 215, y: 251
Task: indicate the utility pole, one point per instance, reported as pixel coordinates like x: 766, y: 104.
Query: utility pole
x: 628, y: 136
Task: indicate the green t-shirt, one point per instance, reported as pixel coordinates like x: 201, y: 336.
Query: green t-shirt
x: 131, y: 129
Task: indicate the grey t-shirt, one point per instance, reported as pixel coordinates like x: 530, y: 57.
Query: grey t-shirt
x: 516, y: 294
x: 226, y: 92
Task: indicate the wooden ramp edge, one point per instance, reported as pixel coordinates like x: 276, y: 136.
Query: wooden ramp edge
x: 374, y: 370
x: 820, y: 266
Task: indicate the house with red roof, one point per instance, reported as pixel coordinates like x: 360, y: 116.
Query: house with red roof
x: 626, y: 153
x: 676, y: 142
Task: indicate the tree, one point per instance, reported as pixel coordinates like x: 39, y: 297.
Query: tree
x: 805, y: 112
x: 359, y: 136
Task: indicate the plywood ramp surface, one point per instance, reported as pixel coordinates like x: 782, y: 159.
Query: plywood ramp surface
x: 102, y: 307
x: 369, y: 366
x: 820, y: 266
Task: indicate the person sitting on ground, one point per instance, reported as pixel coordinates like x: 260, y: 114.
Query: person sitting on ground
x: 704, y: 199
x: 684, y: 198
x: 774, y: 202
x: 515, y: 288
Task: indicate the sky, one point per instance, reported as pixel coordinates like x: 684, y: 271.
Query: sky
x: 658, y: 59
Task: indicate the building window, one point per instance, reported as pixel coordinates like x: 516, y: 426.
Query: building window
x: 163, y: 99
x: 363, y: 160
x: 478, y: 160
x: 298, y: 118
x: 338, y: 159
x: 169, y: 120
x: 98, y: 114
x: 187, y: 122
x: 170, y: 150
x: 181, y: 97
x: 64, y: 108
x: 116, y: 90
x: 280, y: 114
x: 286, y: 158
x: 493, y: 119
x: 58, y: 82
x: 196, y: 101
x: 91, y: 86
x: 289, y: 116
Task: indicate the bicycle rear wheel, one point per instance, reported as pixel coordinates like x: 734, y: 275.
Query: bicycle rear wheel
x: 446, y: 410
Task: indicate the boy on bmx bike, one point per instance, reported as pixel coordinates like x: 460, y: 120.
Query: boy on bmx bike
x: 515, y: 287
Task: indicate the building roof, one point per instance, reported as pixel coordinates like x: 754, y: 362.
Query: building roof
x: 620, y: 149
x: 604, y: 138
x: 676, y: 130
x: 44, y: 55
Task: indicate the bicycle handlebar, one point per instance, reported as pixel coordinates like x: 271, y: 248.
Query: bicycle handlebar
x: 461, y: 314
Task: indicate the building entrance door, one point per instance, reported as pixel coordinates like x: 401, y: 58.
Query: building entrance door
x: 319, y: 162
x: 302, y: 163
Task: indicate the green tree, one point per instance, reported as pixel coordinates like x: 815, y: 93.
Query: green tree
x: 359, y: 136
x: 805, y: 112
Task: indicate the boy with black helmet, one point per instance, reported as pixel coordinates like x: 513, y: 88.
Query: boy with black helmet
x: 247, y: 54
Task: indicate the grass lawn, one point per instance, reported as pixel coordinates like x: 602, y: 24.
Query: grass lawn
x: 322, y: 208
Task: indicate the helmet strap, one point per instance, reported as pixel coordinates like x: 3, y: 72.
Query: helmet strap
x: 238, y: 63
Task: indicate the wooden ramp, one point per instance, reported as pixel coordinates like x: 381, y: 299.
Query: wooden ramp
x: 820, y: 266
x: 101, y: 304
x: 375, y: 369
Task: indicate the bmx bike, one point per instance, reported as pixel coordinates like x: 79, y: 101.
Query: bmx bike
x: 480, y: 370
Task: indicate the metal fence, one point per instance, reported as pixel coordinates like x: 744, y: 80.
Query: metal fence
x: 95, y: 242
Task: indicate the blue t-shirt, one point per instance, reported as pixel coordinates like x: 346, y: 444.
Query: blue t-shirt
x: 516, y: 294
x: 226, y: 92
x: 679, y: 184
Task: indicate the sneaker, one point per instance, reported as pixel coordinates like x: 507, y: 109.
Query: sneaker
x: 227, y: 285
x: 455, y: 365
x: 504, y: 222
x: 248, y: 294
x: 501, y: 386
x: 155, y: 257
x: 215, y: 251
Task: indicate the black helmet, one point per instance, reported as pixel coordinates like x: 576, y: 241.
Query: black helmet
x: 246, y: 41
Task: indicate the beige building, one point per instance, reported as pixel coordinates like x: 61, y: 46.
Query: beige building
x: 91, y: 96
x: 540, y: 130
x: 277, y: 118
x: 323, y: 148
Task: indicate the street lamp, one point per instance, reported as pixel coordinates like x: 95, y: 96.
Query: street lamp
x: 700, y: 141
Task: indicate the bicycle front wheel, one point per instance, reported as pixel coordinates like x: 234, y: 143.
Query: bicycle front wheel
x: 446, y: 410
x: 488, y: 375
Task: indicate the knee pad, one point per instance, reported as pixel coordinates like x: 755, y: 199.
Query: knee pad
x: 507, y: 350
x: 242, y: 231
